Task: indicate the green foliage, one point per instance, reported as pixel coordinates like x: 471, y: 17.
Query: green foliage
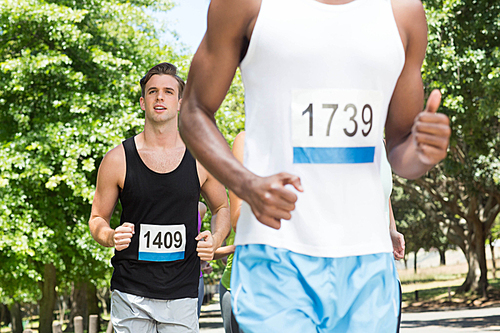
x: 69, y: 73
x: 495, y: 230
x: 463, y: 61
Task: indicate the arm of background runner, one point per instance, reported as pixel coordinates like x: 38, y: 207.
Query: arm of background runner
x: 397, y: 238
x: 416, y: 140
x: 224, y: 251
x: 109, y: 177
x: 202, y: 209
x: 234, y: 200
x: 229, y: 28
x: 216, y: 197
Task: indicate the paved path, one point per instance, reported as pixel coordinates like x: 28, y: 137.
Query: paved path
x: 451, y: 321
x: 210, y: 318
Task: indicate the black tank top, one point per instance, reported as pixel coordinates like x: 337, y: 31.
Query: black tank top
x: 161, y: 261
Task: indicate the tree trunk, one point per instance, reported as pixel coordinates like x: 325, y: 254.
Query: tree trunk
x: 474, y: 272
x: 93, y: 302
x: 5, y: 317
x: 78, y: 301
x: 415, y: 263
x: 481, y: 255
x: 493, y: 263
x: 63, y: 305
x: 103, y: 296
x: 48, y: 301
x: 477, y: 279
x: 442, y: 257
x: 16, y: 318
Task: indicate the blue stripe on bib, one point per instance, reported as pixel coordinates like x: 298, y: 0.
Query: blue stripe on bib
x: 151, y: 256
x: 333, y: 155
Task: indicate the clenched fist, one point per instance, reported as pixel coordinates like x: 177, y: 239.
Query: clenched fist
x: 123, y: 236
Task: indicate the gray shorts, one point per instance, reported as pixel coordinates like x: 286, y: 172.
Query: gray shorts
x: 137, y: 314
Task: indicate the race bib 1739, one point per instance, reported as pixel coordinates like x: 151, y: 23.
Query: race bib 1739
x: 162, y: 242
x: 331, y: 126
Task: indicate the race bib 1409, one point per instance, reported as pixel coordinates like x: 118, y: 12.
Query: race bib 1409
x: 162, y: 242
x: 331, y: 126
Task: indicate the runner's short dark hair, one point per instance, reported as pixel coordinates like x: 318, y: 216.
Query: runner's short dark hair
x: 164, y: 68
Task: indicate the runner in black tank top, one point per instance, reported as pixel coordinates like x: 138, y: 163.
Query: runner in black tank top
x: 157, y: 245
x: 168, y: 199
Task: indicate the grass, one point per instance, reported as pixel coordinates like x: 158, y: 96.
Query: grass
x: 437, y: 287
x: 446, y: 297
x: 441, y: 273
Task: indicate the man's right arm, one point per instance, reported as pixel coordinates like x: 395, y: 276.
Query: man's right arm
x: 110, y: 178
x: 230, y: 25
x: 210, y: 75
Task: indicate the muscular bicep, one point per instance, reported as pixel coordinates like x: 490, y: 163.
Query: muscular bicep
x: 109, y: 181
x: 408, y: 97
x: 212, y: 190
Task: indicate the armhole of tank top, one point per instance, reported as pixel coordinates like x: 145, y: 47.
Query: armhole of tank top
x: 126, y: 164
x: 254, y: 38
x: 199, y: 222
x: 195, y: 168
x: 384, y: 159
x: 396, y: 31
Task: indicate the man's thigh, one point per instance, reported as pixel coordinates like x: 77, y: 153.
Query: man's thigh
x: 127, y: 317
x: 278, y: 290
x: 130, y: 314
x: 177, y: 316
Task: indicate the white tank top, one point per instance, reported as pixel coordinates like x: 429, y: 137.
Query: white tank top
x: 386, y: 179
x: 318, y: 81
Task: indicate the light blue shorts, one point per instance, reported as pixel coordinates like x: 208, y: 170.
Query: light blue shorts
x: 276, y: 290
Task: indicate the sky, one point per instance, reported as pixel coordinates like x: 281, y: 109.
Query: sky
x: 189, y: 19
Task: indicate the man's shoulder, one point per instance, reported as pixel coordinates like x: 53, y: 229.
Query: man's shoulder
x: 408, y: 10
x: 407, y: 5
x: 115, y: 156
x: 243, y: 12
x: 112, y: 167
x: 411, y: 21
x: 250, y: 6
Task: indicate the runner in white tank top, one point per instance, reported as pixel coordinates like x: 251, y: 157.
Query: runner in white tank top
x: 322, y: 78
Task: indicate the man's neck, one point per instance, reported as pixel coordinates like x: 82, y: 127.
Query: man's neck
x: 161, y: 136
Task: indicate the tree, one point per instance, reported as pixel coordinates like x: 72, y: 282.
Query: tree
x: 463, y: 61
x: 69, y: 91
x: 417, y: 220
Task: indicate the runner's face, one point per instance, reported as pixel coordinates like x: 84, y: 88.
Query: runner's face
x: 161, y: 100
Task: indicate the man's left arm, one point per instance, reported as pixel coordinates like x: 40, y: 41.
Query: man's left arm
x: 216, y: 197
x: 397, y: 238
x: 416, y: 140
